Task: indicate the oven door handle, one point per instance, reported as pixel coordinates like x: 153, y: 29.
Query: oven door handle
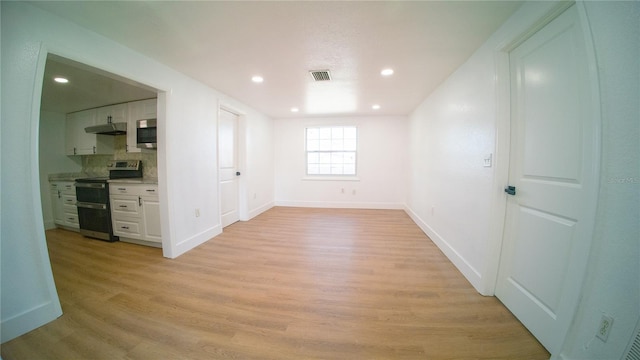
x: 91, y: 205
x: 90, y: 185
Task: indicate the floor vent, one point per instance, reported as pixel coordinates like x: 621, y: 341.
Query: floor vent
x: 320, y: 75
x: 633, y: 351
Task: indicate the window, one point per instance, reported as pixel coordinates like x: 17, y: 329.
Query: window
x: 331, y: 150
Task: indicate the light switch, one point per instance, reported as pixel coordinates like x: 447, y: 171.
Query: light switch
x: 488, y: 160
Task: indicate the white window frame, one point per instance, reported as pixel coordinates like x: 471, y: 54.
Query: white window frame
x: 330, y: 151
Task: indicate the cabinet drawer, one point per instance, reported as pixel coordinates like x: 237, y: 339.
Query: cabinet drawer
x: 125, y: 206
x: 65, y: 187
x: 69, y: 188
x: 70, y: 209
x: 69, y: 200
x: 126, y: 228
x: 135, y: 189
x: 71, y: 219
x: 121, y: 189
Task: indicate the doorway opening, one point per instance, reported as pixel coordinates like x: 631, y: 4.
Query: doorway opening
x: 70, y: 87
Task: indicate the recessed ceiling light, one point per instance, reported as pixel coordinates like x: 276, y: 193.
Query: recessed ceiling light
x: 294, y: 109
x: 375, y: 107
x: 386, y: 72
x: 257, y: 79
x: 61, y: 80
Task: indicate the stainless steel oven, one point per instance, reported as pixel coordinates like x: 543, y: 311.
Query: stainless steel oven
x: 92, y: 194
x: 94, y: 213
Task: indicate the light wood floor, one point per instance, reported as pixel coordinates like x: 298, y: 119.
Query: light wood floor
x: 290, y: 284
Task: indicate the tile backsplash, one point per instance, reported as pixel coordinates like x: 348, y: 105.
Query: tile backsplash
x: 96, y: 165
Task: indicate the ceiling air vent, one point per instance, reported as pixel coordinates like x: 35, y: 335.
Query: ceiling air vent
x: 320, y: 75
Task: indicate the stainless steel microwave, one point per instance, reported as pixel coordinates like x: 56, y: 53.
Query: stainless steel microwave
x: 146, y: 134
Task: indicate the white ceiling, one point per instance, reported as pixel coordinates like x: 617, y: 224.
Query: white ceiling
x: 87, y: 87
x: 224, y: 43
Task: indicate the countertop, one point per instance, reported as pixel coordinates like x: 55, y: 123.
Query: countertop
x: 67, y: 176
x: 146, y: 180
x: 74, y: 176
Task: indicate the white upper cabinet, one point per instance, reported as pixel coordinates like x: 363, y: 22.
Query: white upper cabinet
x: 78, y: 142
x: 113, y: 113
x: 139, y: 110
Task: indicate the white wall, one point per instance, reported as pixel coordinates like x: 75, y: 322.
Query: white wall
x: 52, y: 158
x: 612, y: 285
x: 451, y: 133
x: 187, y: 168
x: 456, y: 126
x: 451, y: 195
x: 381, y: 165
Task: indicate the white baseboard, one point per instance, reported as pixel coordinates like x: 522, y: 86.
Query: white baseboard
x: 198, y: 239
x: 469, y: 272
x: 257, y: 211
x: 49, y: 224
x: 342, y: 205
x: 31, y: 319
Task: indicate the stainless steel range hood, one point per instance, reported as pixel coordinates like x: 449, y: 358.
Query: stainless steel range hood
x: 108, y: 129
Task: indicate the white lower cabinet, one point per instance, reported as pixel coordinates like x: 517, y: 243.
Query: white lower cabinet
x: 151, y: 217
x: 135, y: 213
x: 63, y: 201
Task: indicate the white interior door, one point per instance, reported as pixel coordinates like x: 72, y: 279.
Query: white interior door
x: 228, y: 163
x: 549, y: 221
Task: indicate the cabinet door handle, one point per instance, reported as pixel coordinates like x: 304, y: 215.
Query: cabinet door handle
x: 139, y: 201
x: 122, y: 189
x: 151, y: 190
x: 94, y: 149
x: 125, y: 227
x: 123, y: 206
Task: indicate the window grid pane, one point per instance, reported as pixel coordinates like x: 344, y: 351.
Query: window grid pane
x: 331, y: 150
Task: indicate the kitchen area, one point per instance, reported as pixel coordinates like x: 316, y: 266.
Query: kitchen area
x: 98, y: 157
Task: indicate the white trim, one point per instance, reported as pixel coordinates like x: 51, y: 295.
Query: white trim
x: 257, y: 211
x: 241, y: 151
x: 491, y: 269
x: 342, y: 205
x: 498, y: 208
x: 469, y: 272
x: 346, y: 177
x: 596, y: 118
x: 498, y: 205
x: 30, y: 319
x: 330, y: 178
x: 39, y: 315
x: 166, y: 212
x: 198, y: 239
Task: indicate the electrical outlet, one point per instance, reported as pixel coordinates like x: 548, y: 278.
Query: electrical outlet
x: 605, y: 327
x: 197, y: 212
